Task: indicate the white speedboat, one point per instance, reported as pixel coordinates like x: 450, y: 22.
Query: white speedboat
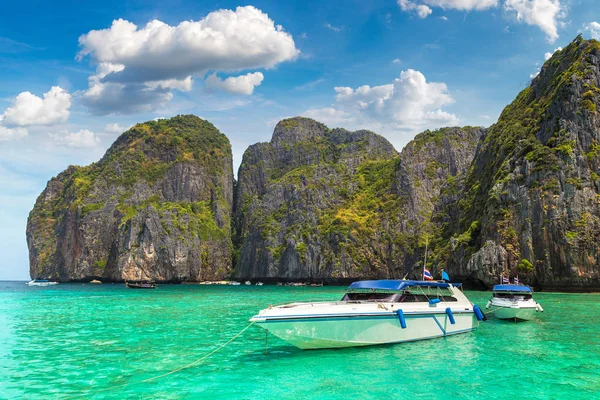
x: 41, y: 282
x: 514, y: 302
x: 374, y: 312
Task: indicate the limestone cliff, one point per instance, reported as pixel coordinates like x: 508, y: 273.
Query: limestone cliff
x: 156, y: 206
x: 531, y: 203
x: 316, y: 203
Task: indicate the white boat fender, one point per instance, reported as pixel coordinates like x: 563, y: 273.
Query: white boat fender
x: 488, y: 305
x: 401, y: 318
x: 478, y: 313
x: 539, y: 307
x: 450, y: 315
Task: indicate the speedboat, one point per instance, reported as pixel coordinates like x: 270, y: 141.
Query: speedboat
x: 41, y: 282
x: 372, y: 313
x: 514, y: 302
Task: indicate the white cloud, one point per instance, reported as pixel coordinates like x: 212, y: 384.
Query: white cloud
x: 309, y: 85
x: 421, y: 10
x: 396, y: 61
x: 8, y: 134
x: 546, y: 14
x: 243, y: 84
x: 82, y: 139
x: 542, y: 13
x: 593, y: 28
x: 330, y: 116
x: 409, y: 104
x: 115, y: 128
x: 462, y: 5
x: 29, y: 109
x: 423, y: 7
x: 333, y: 28
x: 548, y: 55
x: 137, y: 68
x: 444, y: 18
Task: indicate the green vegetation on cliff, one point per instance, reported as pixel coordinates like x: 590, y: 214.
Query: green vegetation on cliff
x: 176, y: 170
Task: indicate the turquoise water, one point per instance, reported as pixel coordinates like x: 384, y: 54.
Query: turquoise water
x: 77, y: 341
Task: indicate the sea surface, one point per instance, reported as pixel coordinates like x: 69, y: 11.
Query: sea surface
x: 102, y: 341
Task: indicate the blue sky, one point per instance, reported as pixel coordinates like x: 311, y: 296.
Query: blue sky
x: 393, y: 66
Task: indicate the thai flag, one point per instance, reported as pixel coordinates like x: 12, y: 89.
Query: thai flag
x: 505, y: 280
x: 516, y: 280
x: 427, y: 275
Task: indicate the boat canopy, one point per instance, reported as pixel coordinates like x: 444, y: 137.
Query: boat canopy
x: 512, y: 288
x: 396, y: 284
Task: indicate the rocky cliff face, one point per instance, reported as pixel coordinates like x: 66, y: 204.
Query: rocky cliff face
x: 316, y: 203
x: 156, y: 206
x: 522, y: 197
x: 531, y: 203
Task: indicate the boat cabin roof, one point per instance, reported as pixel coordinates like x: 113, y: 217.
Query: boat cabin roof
x: 512, y: 288
x: 396, y: 285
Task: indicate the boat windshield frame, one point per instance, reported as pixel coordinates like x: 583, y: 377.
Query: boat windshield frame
x: 429, y: 292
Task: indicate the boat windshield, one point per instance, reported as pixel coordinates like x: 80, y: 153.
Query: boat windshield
x: 373, y: 296
x: 413, y: 294
x: 513, y: 296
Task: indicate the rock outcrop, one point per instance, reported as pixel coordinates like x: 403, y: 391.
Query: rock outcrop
x: 316, y: 203
x: 156, y: 206
x: 534, y: 186
x: 522, y: 197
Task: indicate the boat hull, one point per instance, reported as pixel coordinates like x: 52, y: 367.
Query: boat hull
x: 41, y: 283
x: 516, y: 313
x: 350, y: 331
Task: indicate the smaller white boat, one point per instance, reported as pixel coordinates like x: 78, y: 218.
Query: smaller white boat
x: 234, y: 283
x: 514, y: 302
x: 259, y: 283
x: 248, y: 283
x: 41, y: 282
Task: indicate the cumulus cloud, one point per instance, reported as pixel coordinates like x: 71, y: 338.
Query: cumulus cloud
x: 543, y: 13
x: 29, y: 109
x: 546, y: 14
x: 82, y: 139
x: 138, y: 67
x: 115, y: 128
x: 421, y: 10
x: 8, y: 134
x: 243, y: 84
x: 409, y: 103
x: 593, y: 28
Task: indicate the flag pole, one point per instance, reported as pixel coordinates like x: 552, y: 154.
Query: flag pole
x: 425, y: 263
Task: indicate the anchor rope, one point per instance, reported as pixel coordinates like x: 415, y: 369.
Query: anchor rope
x: 492, y: 310
x: 191, y: 364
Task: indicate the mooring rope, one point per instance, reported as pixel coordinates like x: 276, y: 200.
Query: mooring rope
x: 492, y: 310
x: 170, y: 372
